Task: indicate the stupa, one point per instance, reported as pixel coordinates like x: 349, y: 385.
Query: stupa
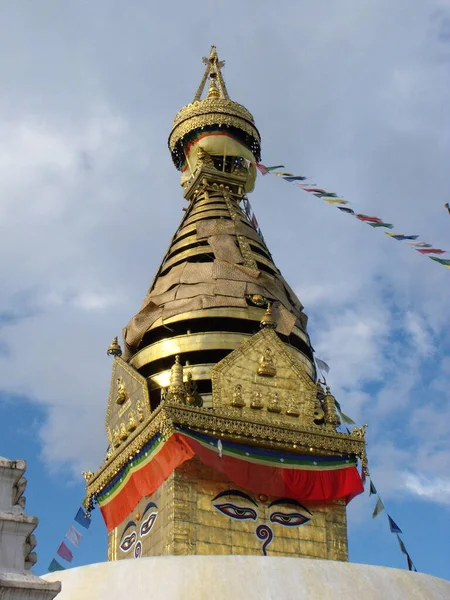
x: 222, y: 440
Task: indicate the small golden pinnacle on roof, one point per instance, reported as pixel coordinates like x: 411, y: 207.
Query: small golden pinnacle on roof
x: 268, y: 319
x: 114, y: 348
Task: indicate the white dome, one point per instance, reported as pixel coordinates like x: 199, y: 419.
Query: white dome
x: 244, y: 577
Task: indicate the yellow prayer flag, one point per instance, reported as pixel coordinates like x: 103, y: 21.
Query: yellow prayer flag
x: 335, y: 200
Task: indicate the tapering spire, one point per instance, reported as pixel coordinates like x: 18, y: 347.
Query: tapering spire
x: 213, y: 69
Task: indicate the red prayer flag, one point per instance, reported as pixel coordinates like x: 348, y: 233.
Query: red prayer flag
x: 314, y: 190
x: 261, y: 168
x: 430, y: 251
x: 369, y: 219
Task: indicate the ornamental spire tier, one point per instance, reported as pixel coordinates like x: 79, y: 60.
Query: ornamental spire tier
x: 221, y: 438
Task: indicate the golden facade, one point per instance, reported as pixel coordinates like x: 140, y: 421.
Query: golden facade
x: 220, y: 346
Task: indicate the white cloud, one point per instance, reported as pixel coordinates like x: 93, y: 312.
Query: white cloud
x: 431, y: 489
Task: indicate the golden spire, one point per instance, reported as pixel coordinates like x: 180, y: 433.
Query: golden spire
x: 213, y: 69
x: 114, y: 348
x: 213, y: 91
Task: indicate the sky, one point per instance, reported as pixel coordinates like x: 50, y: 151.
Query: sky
x: 354, y: 94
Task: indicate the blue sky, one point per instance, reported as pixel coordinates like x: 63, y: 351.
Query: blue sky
x: 353, y: 94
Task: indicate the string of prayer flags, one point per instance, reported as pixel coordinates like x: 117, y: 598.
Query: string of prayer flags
x: 251, y: 216
x: 345, y: 418
x: 55, y: 566
x: 74, y: 537
x: 394, y: 528
x: 375, y: 222
x: 65, y: 552
x: 442, y: 261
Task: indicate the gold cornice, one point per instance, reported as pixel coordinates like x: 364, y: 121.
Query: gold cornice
x: 226, y: 424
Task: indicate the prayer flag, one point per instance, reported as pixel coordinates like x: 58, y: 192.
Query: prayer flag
x: 387, y: 225
x: 443, y: 261
x: 402, y: 545
x: 55, y: 566
x: 411, y: 566
x: 74, y: 536
x: 373, y: 489
x: 315, y: 190
x: 82, y: 519
x: 322, y: 365
x: 261, y: 168
x: 369, y: 219
x: 347, y: 210
x: 401, y: 237
x: 447, y: 206
x: 254, y: 222
x: 346, y: 418
x: 393, y: 526
x: 334, y: 200
x: 294, y: 177
x: 282, y: 174
x: 65, y: 552
x: 419, y: 244
x: 430, y: 251
x: 379, y: 507
x: 276, y: 167
x: 326, y: 194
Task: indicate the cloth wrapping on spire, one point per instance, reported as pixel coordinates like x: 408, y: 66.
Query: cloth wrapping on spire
x: 217, y: 143
x: 302, y: 477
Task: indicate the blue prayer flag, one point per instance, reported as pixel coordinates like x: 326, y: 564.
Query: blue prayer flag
x: 393, y: 526
x: 55, y: 566
x: 82, y: 519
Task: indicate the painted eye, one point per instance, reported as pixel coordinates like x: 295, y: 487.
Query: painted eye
x: 128, y: 542
x: 236, y: 512
x: 289, y: 519
x: 148, y: 524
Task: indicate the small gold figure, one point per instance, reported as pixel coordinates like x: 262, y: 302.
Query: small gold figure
x: 266, y: 364
x: 140, y: 412
x: 116, y: 437
x: 359, y: 431
x: 256, y: 402
x: 131, y: 426
x: 122, y: 393
x: 238, y: 401
x: 274, y: 403
x: 292, y: 409
x: 193, y: 398
x: 87, y: 475
x: 123, y: 432
x: 109, y: 454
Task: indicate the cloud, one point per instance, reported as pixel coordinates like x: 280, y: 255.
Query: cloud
x: 430, y: 489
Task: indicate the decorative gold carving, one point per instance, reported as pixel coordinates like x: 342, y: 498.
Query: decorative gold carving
x: 268, y: 319
x: 87, y: 475
x: 204, y: 159
x: 132, y: 423
x: 176, y: 391
x: 116, y: 437
x: 329, y: 407
x: 292, y: 408
x: 193, y: 398
x: 238, y: 401
x: 274, y: 405
x: 140, y: 412
x: 257, y: 403
x: 266, y: 364
x: 123, y: 432
x: 114, y: 348
x: 122, y: 393
x: 258, y: 300
x: 360, y: 431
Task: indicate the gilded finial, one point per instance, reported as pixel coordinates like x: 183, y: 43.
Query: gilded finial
x: 114, y: 348
x: 176, y: 391
x: 268, y: 319
x: 87, y: 475
x: 213, y: 91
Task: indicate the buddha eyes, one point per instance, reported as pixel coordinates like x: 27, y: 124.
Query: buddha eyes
x: 236, y: 512
x: 289, y: 519
x: 128, y: 542
x: 148, y: 524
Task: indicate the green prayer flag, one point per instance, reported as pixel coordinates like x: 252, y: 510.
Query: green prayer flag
x: 387, y: 225
x: 346, y: 418
x: 379, y: 507
x: 443, y: 261
x: 55, y: 566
